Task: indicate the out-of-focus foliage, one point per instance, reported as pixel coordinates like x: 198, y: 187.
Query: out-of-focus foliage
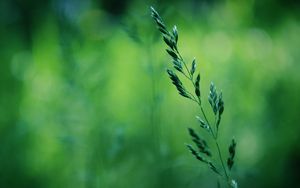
x: 85, y: 100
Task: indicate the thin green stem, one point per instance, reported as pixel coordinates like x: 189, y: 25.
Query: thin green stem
x: 221, y: 159
x: 185, y: 75
x: 216, y: 129
x: 187, y: 69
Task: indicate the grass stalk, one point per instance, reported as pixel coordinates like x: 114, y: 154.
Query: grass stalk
x: 202, y: 151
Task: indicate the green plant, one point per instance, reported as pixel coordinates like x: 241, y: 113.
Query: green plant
x: 202, y: 153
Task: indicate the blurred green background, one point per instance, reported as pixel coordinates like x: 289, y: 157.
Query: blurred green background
x: 85, y: 101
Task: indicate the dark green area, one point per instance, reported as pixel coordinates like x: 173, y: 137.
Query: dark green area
x: 85, y: 100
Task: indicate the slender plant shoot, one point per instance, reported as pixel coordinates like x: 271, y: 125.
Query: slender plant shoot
x: 200, y: 150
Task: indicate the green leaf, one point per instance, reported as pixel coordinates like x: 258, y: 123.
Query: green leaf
x: 176, y: 81
x: 160, y: 24
x: 196, y: 154
x: 202, y: 123
x: 197, y: 86
x: 172, y: 54
x: 220, y: 110
x: 193, y: 68
x: 168, y: 42
x: 175, y: 33
x: 178, y: 68
x: 201, y: 144
x: 220, y: 104
x: 155, y: 15
x: 212, y: 98
x: 163, y: 31
x: 231, y: 149
x: 178, y: 65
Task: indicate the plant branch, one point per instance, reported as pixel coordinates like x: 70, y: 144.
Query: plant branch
x: 215, y: 100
